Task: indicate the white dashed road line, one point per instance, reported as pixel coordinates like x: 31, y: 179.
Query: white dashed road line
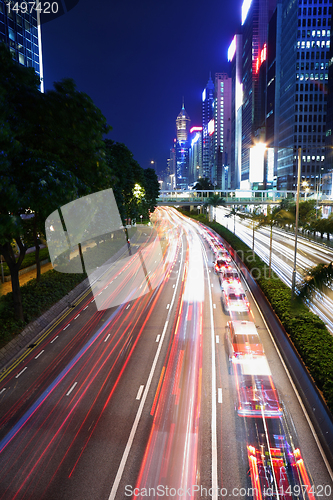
x: 41, y: 352
x: 138, y: 396
x: 70, y: 390
x: 17, y: 376
x: 55, y: 338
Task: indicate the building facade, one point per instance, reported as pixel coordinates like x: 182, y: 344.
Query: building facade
x: 305, y: 34
x: 182, y: 149
x: 22, y: 34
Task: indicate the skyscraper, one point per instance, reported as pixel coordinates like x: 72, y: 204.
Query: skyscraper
x: 305, y: 37
x: 235, y: 57
x: 222, y: 130
x: 20, y: 31
x: 208, y: 129
x: 182, y: 129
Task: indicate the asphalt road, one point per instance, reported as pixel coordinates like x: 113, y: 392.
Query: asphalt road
x: 138, y: 399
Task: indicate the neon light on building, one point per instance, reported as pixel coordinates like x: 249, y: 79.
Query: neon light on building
x: 245, y: 9
x: 232, y: 49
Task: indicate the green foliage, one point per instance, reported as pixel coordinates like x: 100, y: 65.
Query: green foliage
x: 305, y: 329
x: 37, y: 298
x: 126, y: 174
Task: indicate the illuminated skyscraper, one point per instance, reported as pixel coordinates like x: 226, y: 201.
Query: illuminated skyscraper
x: 182, y: 129
x: 20, y: 31
x: 208, y: 130
x: 305, y: 38
x: 222, y: 130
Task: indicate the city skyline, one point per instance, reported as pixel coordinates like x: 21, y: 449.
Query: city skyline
x: 134, y: 70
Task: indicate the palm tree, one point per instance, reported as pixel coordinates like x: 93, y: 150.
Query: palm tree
x: 233, y: 212
x: 254, y: 217
x: 316, y: 278
x: 273, y: 217
x: 215, y: 201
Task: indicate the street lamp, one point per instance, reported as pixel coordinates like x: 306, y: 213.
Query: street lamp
x: 293, y: 283
x: 141, y: 218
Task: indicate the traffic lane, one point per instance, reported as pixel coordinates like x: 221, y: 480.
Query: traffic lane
x: 21, y: 382
x: 106, y: 379
x: 309, y: 448
x: 171, y: 457
x: 307, y: 442
x: 231, y: 467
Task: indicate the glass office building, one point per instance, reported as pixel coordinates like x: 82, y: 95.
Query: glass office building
x: 21, y: 33
x: 305, y: 38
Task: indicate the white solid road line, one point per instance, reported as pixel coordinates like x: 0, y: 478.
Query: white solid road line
x: 17, y: 376
x: 41, y: 352
x: 70, y: 390
x: 139, y: 394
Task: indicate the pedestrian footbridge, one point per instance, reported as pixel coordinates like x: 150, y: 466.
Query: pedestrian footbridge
x: 235, y: 197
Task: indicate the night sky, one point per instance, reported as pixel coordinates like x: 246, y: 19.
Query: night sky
x: 137, y: 59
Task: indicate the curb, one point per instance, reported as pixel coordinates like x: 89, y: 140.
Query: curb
x: 39, y: 326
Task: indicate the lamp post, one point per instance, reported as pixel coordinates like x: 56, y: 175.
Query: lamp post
x: 293, y: 282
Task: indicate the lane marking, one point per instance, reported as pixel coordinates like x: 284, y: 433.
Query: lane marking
x: 67, y: 326
x: 2, y: 390
x: 138, y: 396
x: 158, y: 338
x: 77, y: 315
x: 173, y: 286
x: 168, y: 306
x: 212, y: 285
x: 106, y: 338
x: 128, y: 306
x: 17, y: 376
x: 219, y: 395
x: 41, y: 352
x: 214, y: 305
x: 142, y: 402
x: 217, y: 339
x: 55, y: 338
x: 100, y: 293
x: 70, y: 390
x: 85, y: 308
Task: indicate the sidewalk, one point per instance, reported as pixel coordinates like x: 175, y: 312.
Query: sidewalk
x: 24, y: 278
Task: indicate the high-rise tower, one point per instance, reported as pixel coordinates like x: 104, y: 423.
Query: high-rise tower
x: 208, y: 130
x: 20, y: 31
x: 305, y: 38
x: 182, y: 128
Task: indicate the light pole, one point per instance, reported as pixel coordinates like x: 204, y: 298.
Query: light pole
x: 293, y: 283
